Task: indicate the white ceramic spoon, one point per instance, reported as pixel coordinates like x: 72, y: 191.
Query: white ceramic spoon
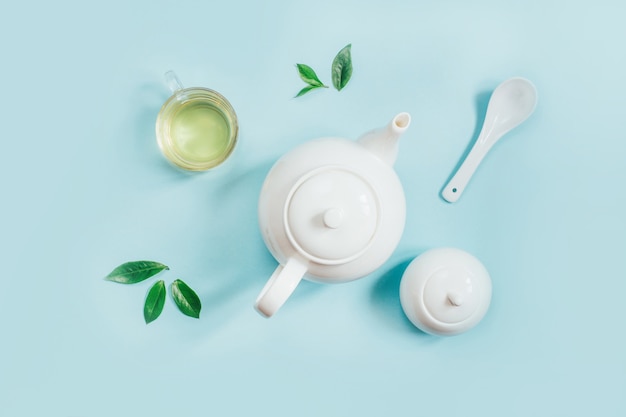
x: 510, y: 104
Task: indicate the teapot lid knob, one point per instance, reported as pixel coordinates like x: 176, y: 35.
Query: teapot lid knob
x: 333, y: 218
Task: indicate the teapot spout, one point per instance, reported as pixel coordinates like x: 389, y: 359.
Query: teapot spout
x: 383, y: 142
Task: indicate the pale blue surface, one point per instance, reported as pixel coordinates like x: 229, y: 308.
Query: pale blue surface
x: 84, y: 189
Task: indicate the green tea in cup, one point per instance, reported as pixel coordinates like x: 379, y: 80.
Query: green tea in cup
x: 196, y: 128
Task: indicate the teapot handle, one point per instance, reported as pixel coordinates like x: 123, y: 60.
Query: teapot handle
x: 280, y: 286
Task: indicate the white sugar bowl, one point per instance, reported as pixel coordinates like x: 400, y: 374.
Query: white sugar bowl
x: 445, y: 291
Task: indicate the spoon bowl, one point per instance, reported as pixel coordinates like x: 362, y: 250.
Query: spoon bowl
x: 511, y: 103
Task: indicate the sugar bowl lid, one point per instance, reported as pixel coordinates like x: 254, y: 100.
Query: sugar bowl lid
x: 445, y: 291
x: 331, y: 215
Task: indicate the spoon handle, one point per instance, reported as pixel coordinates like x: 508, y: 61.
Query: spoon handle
x: 455, y: 187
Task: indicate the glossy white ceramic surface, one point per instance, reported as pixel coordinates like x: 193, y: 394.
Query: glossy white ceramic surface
x: 511, y: 103
x: 445, y: 291
x: 332, y: 210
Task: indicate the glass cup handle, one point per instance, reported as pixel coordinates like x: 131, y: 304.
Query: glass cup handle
x: 174, y: 84
x: 172, y: 81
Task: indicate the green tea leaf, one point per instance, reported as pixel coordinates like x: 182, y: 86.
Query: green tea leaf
x: 309, y: 76
x: 134, y: 272
x: 342, y: 68
x: 154, y: 302
x: 307, y: 89
x: 186, y: 299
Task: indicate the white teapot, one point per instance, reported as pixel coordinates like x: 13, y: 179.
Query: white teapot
x: 332, y: 210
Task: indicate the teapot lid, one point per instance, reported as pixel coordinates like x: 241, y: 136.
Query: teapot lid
x: 331, y: 215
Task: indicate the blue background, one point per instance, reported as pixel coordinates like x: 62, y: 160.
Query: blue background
x: 84, y: 188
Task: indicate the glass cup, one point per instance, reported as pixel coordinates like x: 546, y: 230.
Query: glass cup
x: 196, y: 128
